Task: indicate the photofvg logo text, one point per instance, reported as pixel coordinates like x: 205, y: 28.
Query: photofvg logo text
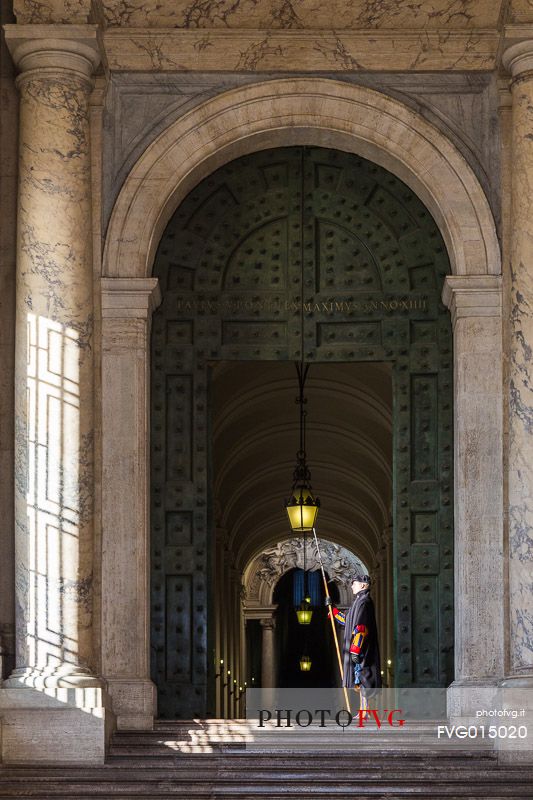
x: 303, y: 718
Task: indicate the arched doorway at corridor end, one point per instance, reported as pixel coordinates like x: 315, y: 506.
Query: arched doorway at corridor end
x: 230, y: 283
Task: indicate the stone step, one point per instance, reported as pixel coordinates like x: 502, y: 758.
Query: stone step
x: 288, y: 785
x: 208, y: 736
x: 168, y: 762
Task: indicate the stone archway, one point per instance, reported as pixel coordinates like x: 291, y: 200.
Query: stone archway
x: 262, y: 574
x: 315, y: 111
x: 353, y: 119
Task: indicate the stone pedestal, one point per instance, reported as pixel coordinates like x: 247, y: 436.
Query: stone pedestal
x: 519, y: 673
x: 475, y: 305
x: 127, y: 305
x: 54, y: 406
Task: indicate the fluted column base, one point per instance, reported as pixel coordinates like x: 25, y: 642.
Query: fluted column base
x: 66, y: 676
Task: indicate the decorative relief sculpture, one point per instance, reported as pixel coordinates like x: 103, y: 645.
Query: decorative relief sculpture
x: 275, y: 561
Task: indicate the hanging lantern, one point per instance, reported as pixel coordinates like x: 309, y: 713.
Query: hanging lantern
x: 304, y: 612
x: 305, y: 664
x: 302, y: 506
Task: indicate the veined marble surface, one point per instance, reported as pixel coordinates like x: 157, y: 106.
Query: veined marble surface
x: 521, y: 386
x: 54, y: 378
x: 49, y: 11
x: 521, y: 11
x: 260, y: 50
x: 286, y: 14
x: 341, y: 14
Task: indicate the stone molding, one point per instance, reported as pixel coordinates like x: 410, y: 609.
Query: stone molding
x: 317, y: 111
x: 129, y: 298
x: 475, y: 296
x: 262, y: 613
x: 41, y: 50
x: 297, y: 50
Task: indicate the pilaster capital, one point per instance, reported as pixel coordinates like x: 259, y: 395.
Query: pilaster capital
x: 129, y: 298
x: 253, y: 611
x: 517, y: 58
x: 473, y: 296
x: 40, y: 50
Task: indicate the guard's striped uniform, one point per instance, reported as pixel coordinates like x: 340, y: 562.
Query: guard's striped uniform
x: 359, y: 633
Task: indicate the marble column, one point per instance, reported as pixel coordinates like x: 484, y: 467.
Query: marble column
x: 268, y: 653
x: 53, y: 706
x: 475, y: 305
x: 519, y: 61
x: 127, y: 305
x: 54, y: 358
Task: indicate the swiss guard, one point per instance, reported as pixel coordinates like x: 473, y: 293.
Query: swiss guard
x: 361, y: 661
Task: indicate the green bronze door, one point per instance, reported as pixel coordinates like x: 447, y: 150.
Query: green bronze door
x: 229, y: 267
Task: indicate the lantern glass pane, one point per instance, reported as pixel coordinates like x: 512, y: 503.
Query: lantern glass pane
x: 302, y: 518
x: 304, y: 616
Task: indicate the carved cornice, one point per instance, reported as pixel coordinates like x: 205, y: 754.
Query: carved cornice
x: 244, y: 50
x: 263, y: 613
x: 129, y: 298
x: 473, y: 296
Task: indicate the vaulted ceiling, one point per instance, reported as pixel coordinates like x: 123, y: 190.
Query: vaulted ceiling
x: 349, y: 444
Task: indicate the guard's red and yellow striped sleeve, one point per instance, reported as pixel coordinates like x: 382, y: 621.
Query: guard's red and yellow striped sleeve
x: 338, y: 615
x: 359, y: 635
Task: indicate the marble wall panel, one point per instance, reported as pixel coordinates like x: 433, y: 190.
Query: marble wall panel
x: 343, y: 50
x: 521, y: 11
x: 295, y: 14
x: 49, y: 11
